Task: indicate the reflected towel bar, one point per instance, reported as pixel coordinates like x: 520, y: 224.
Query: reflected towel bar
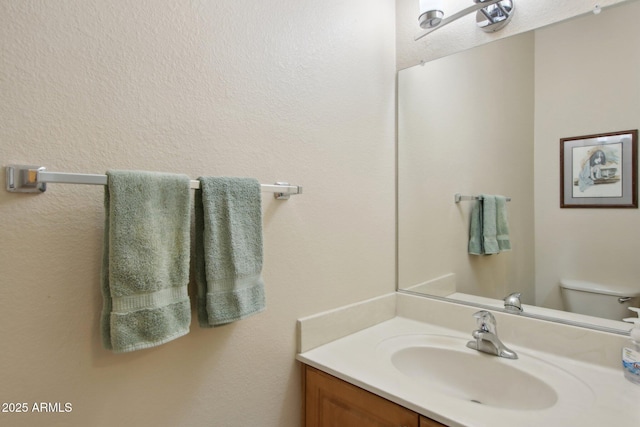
x: 460, y: 198
x: 34, y: 179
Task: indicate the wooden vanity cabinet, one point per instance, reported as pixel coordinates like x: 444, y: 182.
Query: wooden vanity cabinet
x: 428, y: 422
x: 331, y: 402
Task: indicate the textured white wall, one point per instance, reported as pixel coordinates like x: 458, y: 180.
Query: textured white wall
x: 292, y: 90
x: 464, y: 34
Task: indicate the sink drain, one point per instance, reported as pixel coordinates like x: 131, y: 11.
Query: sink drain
x: 476, y: 401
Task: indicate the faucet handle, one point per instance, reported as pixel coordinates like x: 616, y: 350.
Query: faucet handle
x: 485, y: 321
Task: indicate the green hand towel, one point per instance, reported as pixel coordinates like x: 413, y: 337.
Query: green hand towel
x: 489, y: 229
x: 475, y: 230
x: 502, y: 224
x: 145, y: 265
x: 228, y: 250
x: 489, y: 225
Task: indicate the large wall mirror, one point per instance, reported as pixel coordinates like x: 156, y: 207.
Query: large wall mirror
x: 489, y: 121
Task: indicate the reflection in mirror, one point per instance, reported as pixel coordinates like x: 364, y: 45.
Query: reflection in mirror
x: 489, y: 121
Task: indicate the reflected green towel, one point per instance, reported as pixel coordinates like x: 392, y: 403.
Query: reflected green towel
x: 475, y: 230
x: 502, y: 224
x: 145, y: 265
x: 489, y: 229
x: 228, y: 250
x: 489, y: 225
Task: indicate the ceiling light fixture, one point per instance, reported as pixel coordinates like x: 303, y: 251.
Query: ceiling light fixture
x: 491, y: 15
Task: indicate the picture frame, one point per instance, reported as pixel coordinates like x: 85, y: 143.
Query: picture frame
x: 599, y: 171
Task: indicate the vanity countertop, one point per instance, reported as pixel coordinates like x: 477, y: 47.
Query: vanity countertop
x: 360, y: 359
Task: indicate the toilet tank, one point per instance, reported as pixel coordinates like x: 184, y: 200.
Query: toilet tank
x: 601, y: 300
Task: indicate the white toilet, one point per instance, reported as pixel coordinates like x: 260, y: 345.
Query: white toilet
x: 595, y: 299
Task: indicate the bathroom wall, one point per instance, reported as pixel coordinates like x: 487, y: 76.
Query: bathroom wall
x: 595, y: 89
x: 464, y: 34
x: 283, y: 90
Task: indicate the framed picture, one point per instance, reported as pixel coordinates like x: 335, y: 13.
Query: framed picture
x: 599, y: 171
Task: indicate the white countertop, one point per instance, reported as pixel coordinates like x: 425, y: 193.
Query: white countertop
x: 359, y: 359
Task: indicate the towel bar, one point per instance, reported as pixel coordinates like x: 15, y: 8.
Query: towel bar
x: 460, y: 198
x: 34, y: 179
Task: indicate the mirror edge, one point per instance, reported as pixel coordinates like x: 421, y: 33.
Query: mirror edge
x: 537, y: 316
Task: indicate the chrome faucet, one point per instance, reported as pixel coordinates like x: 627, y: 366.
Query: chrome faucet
x: 512, y: 303
x: 486, y: 337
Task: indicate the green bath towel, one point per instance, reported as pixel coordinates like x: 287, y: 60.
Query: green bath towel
x: 502, y: 224
x: 475, y: 230
x: 489, y: 229
x: 145, y: 265
x: 228, y: 250
x: 489, y: 225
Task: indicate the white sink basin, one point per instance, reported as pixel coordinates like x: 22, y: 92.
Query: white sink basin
x: 445, y: 365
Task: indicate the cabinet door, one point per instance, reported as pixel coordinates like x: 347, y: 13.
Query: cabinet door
x: 427, y: 422
x: 331, y: 402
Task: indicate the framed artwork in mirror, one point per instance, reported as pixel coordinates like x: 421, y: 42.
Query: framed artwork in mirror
x: 599, y: 171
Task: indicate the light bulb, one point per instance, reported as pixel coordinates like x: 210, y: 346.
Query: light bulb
x: 431, y: 13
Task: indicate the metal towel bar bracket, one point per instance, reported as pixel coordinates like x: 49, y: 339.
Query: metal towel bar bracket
x: 34, y: 179
x: 460, y: 198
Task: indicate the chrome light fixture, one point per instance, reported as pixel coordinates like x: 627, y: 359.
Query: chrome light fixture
x: 431, y: 13
x: 491, y: 15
